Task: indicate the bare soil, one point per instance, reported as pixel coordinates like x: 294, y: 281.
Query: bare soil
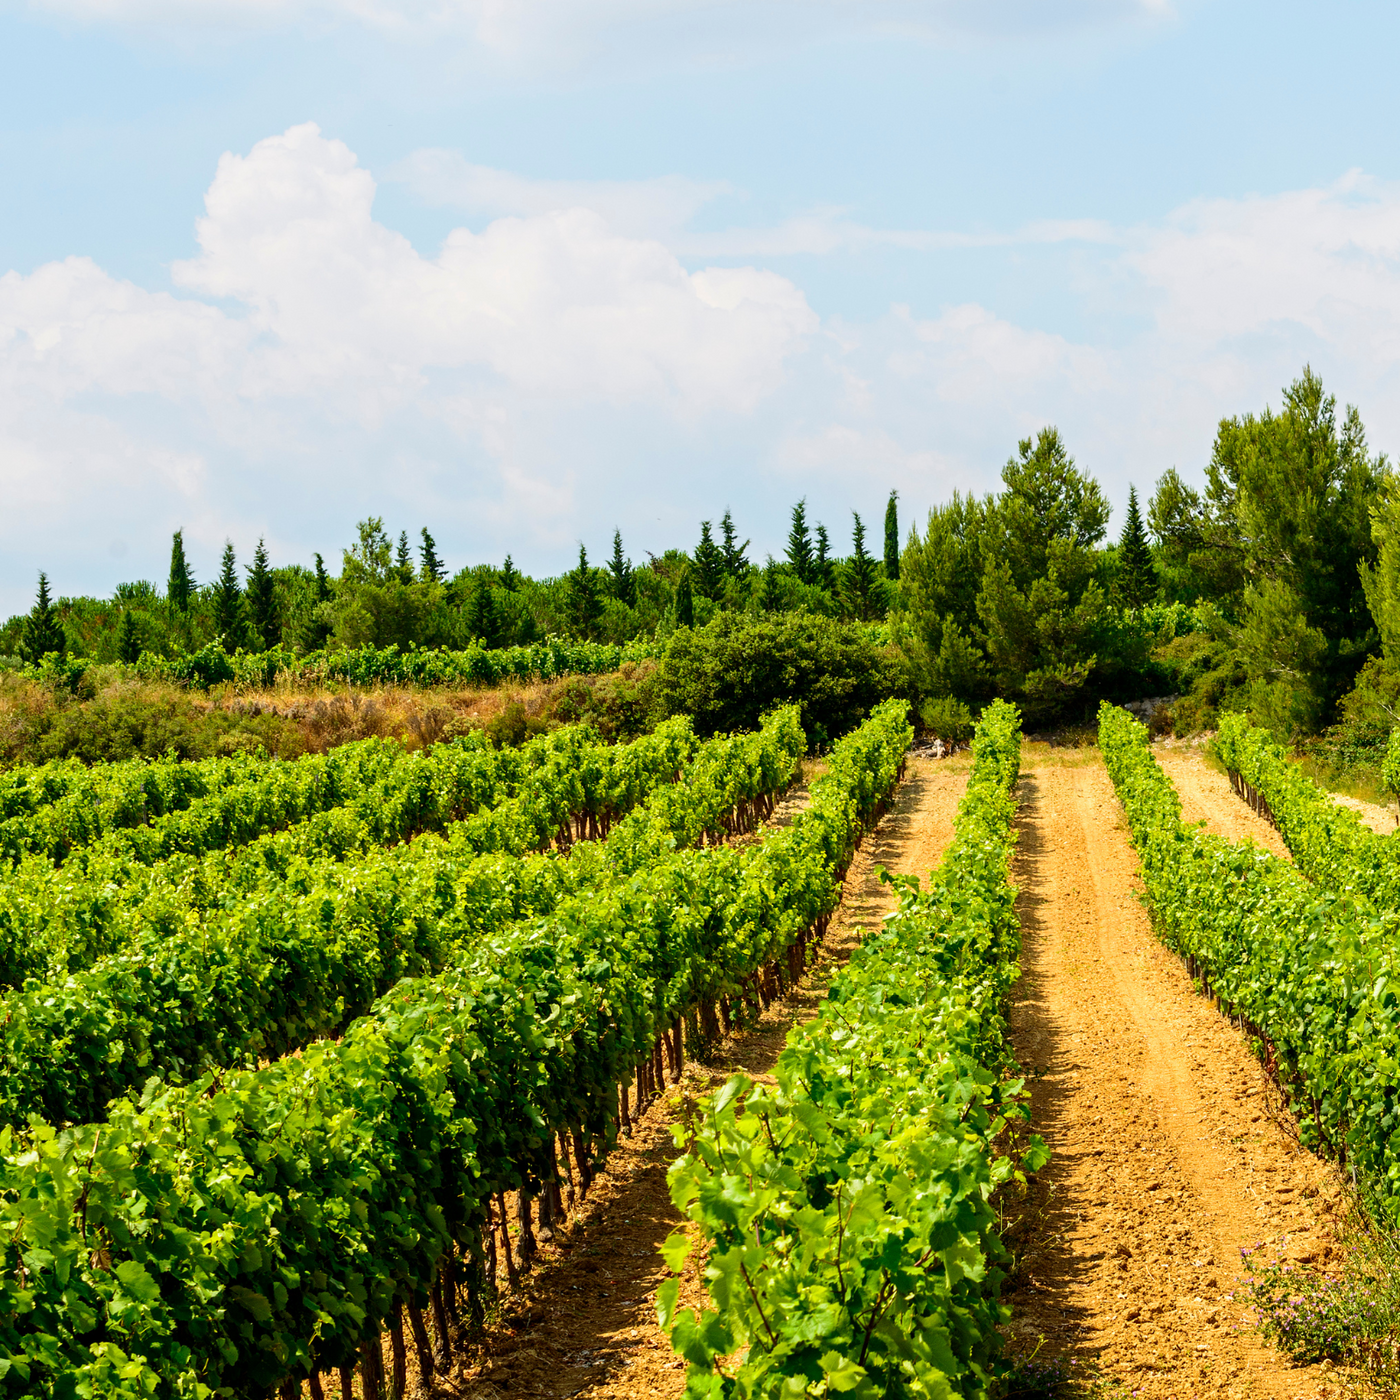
x: 1172, y: 1152
x: 584, y: 1322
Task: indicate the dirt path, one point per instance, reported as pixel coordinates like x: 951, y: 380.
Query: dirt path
x: 1171, y: 1153
x: 1206, y: 795
x: 585, y: 1323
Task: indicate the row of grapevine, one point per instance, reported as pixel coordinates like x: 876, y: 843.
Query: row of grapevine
x: 374, y: 666
x: 850, y: 1238
x: 259, y: 1226
x: 56, y: 919
x: 1312, y: 971
x: 275, y: 963
x: 1331, y: 844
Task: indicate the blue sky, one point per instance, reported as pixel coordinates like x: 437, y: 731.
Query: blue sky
x: 521, y: 272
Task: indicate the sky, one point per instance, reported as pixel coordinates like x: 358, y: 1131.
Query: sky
x: 526, y: 271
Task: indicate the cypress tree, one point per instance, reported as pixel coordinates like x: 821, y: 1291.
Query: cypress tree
x: 434, y: 570
x: 262, y: 600
x: 43, y: 632
x: 585, y: 607
x: 736, y: 565
x: 403, y: 559
x: 710, y: 568
x: 228, y: 602
x: 822, y: 567
x: 510, y: 576
x: 685, y: 601
x: 323, y: 581
x: 1137, y: 573
x: 799, y: 543
x: 892, y: 538
x: 862, y: 581
x: 129, y: 646
x: 623, y: 582
x: 181, y: 584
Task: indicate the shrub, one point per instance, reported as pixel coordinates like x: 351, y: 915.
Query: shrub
x: 727, y: 674
x: 117, y: 727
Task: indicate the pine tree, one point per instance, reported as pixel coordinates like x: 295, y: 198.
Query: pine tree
x: 862, y: 579
x: 685, y: 601
x: 735, y: 563
x: 623, y: 582
x: 403, y: 559
x: 262, y: 600
x: 585, y: 607
x: 129, y: 646
x: 228, y: 602
x: 892, y: 538
x: 1137, y: 574
x: 799, y: 543
x: 434, y: 570
x: 823, y: 569
x: 709, y: 563
x: 483, y: 617
x: 315, y: 630
x: 181, y: 585
x: 510, y: 576
x: 43, y: 631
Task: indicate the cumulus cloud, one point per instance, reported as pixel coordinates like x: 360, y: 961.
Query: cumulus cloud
x: 565, y: 366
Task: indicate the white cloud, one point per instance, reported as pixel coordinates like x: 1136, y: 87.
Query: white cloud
x: 559, y: 369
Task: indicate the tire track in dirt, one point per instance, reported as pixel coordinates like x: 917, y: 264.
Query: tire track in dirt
x: 1171, y: 1152
x: 584, y: 1323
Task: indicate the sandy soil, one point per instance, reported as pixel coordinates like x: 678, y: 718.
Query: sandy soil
x: 1206, y: 794
x: 584, y: 1323
x: 1172, y: 1152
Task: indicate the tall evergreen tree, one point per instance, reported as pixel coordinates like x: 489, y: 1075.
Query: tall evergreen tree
x: 434, y: 570
x: 823, y: 566
x: 709, y: 563
x: 585, y: 607
x: 623, y: 582
x: 129, y: 646
x: 736, y: 564
x: 181, y: 584
x: 403, y: 559
x: 685, y: 601
x: 43, y: 632
x: 892, y: 538
x: 1137, y: 574
x: 799, y: 543
x: 510, y: 576
x: 483, y: 617
x: 862, y: 577
x: 262, y: 600
x: 228, y: 602
x: 316, y: 627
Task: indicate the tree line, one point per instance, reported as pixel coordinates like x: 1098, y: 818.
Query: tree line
x: 1271, y: 586
x: 391, y: 592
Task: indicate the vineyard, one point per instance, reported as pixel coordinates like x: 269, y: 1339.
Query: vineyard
x: 305, y: 1066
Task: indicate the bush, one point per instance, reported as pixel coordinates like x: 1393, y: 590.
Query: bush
x: 947, y: 719
x: 730, y: 672
x: 109, y: 729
